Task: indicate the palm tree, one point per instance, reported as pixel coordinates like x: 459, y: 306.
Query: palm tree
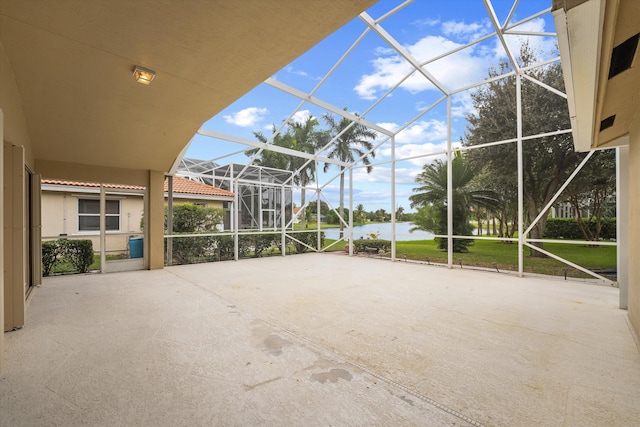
x: 360, y: 214
x: 352, y: 141
x: 306, y: 138
x: 431, y: 198
x: 268, y: 158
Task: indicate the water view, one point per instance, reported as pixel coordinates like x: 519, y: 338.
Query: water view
x: 384, y: 231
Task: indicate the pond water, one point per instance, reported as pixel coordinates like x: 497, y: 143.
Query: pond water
x: 384, y: 231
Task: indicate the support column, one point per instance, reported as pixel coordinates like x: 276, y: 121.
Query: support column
x: 521, y: 236
x: 169, y: 219
x: 1, y: 240
x: 14, y: 242
x: 633, y: 231
x: 103, y: 230
x: 155, y: 221
x: 622, y: 223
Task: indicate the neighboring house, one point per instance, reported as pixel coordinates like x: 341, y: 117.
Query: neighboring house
x: 188, y: 191
x: 323, y: 218
x: 72, y: 209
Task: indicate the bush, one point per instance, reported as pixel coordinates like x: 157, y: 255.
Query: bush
x: 50, y: 252
x: 190, y: 218
x: 567, y: 228
x: 188, y: 250
x: 308, y: 237
x: 225, y: 247
x: 77, y: 253
x: 263, y: 242
x: 361, y: 245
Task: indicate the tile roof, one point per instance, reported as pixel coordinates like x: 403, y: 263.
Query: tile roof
x: 186, y: 186
x: 180, y: 186
x: 90, y: 184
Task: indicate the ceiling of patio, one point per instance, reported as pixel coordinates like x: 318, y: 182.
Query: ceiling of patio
x: 73, y: 63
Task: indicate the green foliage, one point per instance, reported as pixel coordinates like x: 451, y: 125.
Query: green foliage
x: 351, y: 141
x: 262, y: 242
x: 547, y: 161
x: 568, y: 228
x: 308, y: 237
x: 224, y: 247
x: 189, y: 250
x: 300, y: 136
x: 332, y: 217
x: 76, y: 253
x: 591, y: 194
x: 49, y: 256
x: 193, y: 218
x: 190, y: 218
x: 361, y: 245
x: 431, y: 198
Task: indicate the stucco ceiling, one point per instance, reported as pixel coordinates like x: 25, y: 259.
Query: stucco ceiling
x: 73, y: 62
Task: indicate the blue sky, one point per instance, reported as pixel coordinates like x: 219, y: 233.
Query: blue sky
x: 426, y: 29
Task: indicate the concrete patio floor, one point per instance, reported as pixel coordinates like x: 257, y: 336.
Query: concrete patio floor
x: 320, y: 340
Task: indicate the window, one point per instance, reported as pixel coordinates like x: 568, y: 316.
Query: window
x: 89, y: 215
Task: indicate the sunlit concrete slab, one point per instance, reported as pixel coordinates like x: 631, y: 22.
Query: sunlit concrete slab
x: 321, y: 340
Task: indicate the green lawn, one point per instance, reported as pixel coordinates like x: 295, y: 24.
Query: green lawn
x: 484, y: 253
x: 65, y: 268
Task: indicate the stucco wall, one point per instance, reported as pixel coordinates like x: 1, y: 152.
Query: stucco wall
x: 634, y: 227
x: 60, y: 216
x: 15, y: 125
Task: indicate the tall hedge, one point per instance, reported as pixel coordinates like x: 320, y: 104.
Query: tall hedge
x: 567, y: 228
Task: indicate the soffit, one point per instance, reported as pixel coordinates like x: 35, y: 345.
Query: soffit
x: 618, y: 95
x: 73, y: 61
x: 588, y: 31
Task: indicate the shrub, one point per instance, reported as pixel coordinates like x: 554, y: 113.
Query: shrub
x: 360, y: 245
x: 50, y: 252
x: 263, y: 242
x: 79, y: 253
x: 308, y: 237
x: 190, y: 218
x: 245, y: 244
x: 225, y: 247
x: 187, y: 250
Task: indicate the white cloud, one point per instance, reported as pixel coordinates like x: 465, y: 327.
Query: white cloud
x: 461, y: 105
x: 419, y: 139
x: 452, y: 71
x: 301, y: 116
x: 412, y: 150
x: 540, y: 45
x: 291, y: 70
x: 466, y: 31
x: 427, y: 22
x: 247, y: 117
x: 423, y: 131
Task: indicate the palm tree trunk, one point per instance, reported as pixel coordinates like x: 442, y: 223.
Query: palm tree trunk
x: 341, y: 209
x: 303, y: 221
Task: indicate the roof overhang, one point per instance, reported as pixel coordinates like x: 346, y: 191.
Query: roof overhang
x: 602, y: 108
x: 73, y: 63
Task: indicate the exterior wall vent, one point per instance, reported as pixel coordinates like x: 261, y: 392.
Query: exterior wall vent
x: 607, y: 123
x: 622, y: 56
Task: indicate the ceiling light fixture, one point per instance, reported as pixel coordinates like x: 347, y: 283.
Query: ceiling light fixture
x: 143, y: 75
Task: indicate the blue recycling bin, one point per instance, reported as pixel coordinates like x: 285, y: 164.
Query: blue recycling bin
x: 136, y: 248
